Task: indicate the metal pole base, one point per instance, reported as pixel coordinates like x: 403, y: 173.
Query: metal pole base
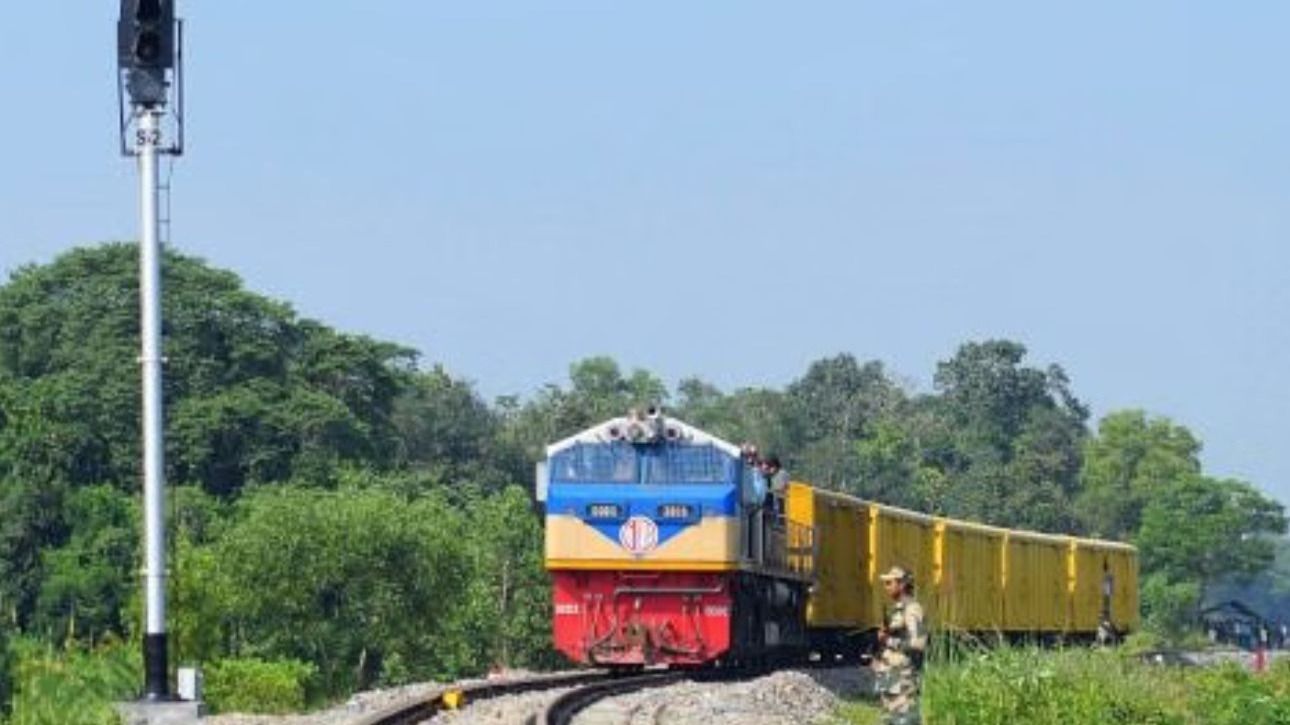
x: 160, y: 713
x: 156, y: 679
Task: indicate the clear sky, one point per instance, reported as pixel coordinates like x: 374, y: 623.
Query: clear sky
x: 722, y: 189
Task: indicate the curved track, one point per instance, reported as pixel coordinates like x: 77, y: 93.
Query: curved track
x: 589, y: 687
x: 565, y: 707
x: 452, y: 697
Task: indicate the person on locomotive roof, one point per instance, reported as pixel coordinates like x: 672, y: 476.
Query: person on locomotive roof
x: 898, y: 671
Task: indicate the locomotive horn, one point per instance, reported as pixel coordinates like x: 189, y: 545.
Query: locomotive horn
x: 672, y: 433
x: 615, y: 433
x: 654, y: 411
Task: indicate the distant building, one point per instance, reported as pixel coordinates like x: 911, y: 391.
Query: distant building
x: 1234, y: 623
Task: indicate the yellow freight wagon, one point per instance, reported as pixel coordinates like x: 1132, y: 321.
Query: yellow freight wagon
x: 897, y: 538
x: 1125, y: 614
x: 967, y: 593
x: 1100, y: 570
x: 1035, y: 584
x: 970, y: 577
x: 840, y: 593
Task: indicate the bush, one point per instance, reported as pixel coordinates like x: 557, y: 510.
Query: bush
x: 1037, y: 686
x: 254, y: 685
x: 343, y: 580
x: 74, y: 687
x: 1233, y: 694
x: 1169, y: 607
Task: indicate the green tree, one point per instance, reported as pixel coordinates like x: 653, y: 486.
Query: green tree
x: 32, y: 521
x: 252, y: 392
x: 598, y: 391
x: 752, y: 415
x: 1197, y: 533
x: 449, y: 434
x: 349, y: 580
x: 1169, y: 606
x: 1131, y: 461
x: 833, y: 405
x: 891, y: 469
x: 510, y: 593
x: 988, y: 394
x: 89, y: 579
x: 1018, y: 433
x: 1046, y: 461
x: 1269, y: 593
x: 1208, y: 530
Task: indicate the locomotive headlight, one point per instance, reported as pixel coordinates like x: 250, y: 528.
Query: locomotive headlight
x: 604, y: 511
x: 675, y: 511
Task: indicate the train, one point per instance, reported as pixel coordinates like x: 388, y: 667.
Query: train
x: 662, y: 550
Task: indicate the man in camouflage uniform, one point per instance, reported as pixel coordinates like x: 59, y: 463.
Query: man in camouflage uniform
x: 898, y: 670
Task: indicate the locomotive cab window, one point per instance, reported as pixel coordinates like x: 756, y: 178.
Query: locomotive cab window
x: 673, y: 463
x: 617, y: 462
x: 658, y: 464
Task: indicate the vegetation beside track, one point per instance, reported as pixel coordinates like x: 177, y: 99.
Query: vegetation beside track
x: 1023, y: 686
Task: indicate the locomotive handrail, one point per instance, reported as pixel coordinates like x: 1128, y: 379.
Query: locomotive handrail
x: 717, y: 589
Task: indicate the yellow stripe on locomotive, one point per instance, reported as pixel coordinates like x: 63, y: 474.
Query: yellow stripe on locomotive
x: 710, y: 544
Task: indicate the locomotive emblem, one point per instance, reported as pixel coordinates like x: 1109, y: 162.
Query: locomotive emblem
x: 639, y: 534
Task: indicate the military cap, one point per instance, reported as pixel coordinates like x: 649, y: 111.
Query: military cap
x: 897, y: 573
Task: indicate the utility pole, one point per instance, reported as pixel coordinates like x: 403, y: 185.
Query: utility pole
x: 149, y: 59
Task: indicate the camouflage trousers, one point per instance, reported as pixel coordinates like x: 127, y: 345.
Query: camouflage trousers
x: 898, y: 689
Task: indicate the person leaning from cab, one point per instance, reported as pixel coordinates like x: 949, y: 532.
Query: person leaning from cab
x: 769, y: 476
x: 776, y: 483
x: 898, y: 670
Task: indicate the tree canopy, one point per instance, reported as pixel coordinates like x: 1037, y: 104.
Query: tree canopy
x: 363, y: 520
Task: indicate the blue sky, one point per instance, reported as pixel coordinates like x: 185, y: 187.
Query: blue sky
x: 723, y: 189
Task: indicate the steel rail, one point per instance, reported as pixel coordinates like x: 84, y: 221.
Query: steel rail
x: 453, y: 697
x: 562, y: 710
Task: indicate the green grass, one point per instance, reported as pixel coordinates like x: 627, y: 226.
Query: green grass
x: 858, y: 713
x: 1026, y: 685
x: 72, y: 687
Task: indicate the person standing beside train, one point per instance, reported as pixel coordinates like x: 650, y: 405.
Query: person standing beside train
x: 898, y: 670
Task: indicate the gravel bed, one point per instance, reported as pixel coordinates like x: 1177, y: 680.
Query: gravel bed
x: 363, y: 703
x: 789, y: 697
x: 504, y: 710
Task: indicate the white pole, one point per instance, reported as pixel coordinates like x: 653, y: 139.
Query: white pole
x: 154, y: 472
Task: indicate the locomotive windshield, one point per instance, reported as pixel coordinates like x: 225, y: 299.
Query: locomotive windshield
x: 663, y: 463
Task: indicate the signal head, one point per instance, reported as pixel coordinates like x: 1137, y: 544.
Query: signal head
x: 146, y: 35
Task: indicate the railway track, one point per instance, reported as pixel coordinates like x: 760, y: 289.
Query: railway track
x: 589, y: 688
x: 562, y: 710
x: 585, y: 689
x: 453, y: 697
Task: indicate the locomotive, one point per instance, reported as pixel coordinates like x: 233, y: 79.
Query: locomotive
x: 662, y: 549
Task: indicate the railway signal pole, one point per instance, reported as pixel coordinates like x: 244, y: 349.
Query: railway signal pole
x: 150, y: 72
